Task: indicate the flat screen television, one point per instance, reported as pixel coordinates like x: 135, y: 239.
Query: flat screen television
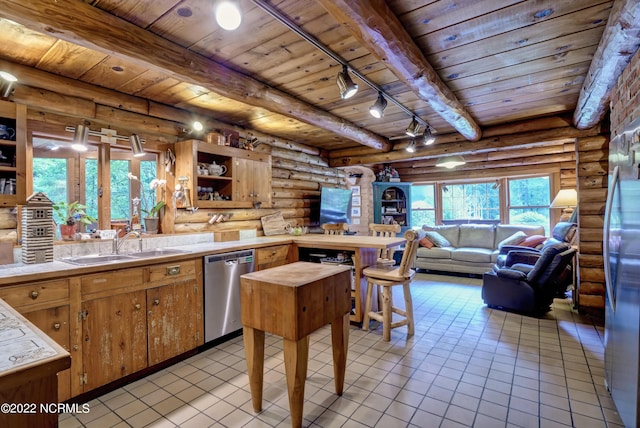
x: 335, y: 205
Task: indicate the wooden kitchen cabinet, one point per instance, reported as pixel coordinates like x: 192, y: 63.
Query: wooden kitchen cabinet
x: 46, y: 305
x: 247, y: 179
x: 268, y: 257
x: 13, y: 154
x: 114, y: 326
x: 174, y: 309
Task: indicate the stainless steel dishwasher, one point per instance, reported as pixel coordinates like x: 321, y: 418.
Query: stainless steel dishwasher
x: 222, y: 291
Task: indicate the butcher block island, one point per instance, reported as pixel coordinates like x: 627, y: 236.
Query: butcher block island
x: 127, y: 306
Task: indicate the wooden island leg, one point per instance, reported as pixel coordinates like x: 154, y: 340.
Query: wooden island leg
x: 254, y: 353
x: 340, y: 345
x: 296, y: 356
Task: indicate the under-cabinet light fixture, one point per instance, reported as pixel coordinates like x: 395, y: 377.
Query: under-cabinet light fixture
x: 6, y: 84
x: 377, y: 109
x: 136, y: 145
x: 80, y: 138
x: 345, y: 84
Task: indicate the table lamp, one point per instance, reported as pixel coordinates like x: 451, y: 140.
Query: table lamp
x: 567, y: 199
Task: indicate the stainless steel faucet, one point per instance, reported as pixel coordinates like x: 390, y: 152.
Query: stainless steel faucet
x: 117, y: 243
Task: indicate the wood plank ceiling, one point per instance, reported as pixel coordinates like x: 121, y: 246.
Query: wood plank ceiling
x: 459, y: 65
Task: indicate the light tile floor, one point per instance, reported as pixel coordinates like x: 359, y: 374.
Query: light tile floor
x: 466, y: 366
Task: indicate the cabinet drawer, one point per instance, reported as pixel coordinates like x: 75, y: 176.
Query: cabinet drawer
x: 173, y: 271
x: 105, y: 281
x: 35, y: 294
x: 272, y: 256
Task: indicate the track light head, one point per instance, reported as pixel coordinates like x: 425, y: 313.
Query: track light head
x: 228, y: 15
x: 136, y: 145
x: 6, y: 84
x: 411, y: 147
x: 80, y: 138
x: 413, y: 129
x: 428, y: 137
x: 345, y: 84
x: 377, y: 109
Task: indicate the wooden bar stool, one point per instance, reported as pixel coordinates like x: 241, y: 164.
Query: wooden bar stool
x: 386, y: 276
x: 334, y: 228
x: 385, y: 255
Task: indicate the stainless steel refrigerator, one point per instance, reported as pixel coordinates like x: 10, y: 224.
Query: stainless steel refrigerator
x: 622, y: 274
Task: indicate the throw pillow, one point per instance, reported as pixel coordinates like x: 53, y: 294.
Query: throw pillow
x: 425, y: 242
x: 533, y: 241
x: 514, y: 239
x: 437, y: 239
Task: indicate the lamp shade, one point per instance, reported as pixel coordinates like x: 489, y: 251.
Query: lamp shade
x: 6, y: 84
x: 566, y: 198
x: 451, y: 161
x: 136, y: 145
x: 80, y: 138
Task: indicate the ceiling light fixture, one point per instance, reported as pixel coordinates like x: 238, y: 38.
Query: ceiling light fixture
x: 450, y: 162
x: 80, y: 138
x: 6, y: 84
x: 136, y: 145
x: 197, y: 126
x: 428, y: 137
x: 228, y: 15
x: 345, y: 84
x: 413, y: 130
x: 377, y: 109
x: 411, y: 147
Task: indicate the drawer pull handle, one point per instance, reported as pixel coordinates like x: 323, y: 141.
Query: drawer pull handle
x: 173, y: 270
x: 34, y: 295
x: 156, y: 301
x: 137, y: 306
x: 56, y: 326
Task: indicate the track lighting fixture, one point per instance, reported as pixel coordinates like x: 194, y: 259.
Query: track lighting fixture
x: 413, y: 129
x: 411, y: 147
x: 451, y: 161
x: 80, y: 138
x: 345, y: 84
x: 6, y: 84
x: 428, y: 138
x: 377, y: 109
x: 228, y: 15
x: 136, y: 145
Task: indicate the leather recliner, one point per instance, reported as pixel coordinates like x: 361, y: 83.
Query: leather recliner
x: 527, y: 282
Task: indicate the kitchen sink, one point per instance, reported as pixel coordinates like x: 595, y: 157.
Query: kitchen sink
x: 97, y: 259
x: 157, y: 252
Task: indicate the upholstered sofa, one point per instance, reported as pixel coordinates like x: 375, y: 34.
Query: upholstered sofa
x: 469, y: 248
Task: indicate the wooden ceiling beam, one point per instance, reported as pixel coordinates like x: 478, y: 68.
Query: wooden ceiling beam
x: 485, y: 145
x: 80, y: 23
x: 375, y: 25
x: 618, y: 44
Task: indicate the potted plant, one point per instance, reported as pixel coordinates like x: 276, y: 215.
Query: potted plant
x: 68, y: 215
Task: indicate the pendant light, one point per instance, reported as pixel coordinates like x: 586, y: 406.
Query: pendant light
x: 377, y: 109
x: 450, y: 162
x: 80, y: 138
x: 136, y: 145
x: 228, y: 15
x: 345, y: 84
x: 413, y: 130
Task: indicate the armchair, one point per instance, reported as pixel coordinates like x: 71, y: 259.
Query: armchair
x: 527, y: 287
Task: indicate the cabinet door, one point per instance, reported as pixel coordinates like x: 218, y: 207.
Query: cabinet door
x: 174, y: 316
x: 54, y: 322
x: 253, y: 183
x: 114, y: 332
